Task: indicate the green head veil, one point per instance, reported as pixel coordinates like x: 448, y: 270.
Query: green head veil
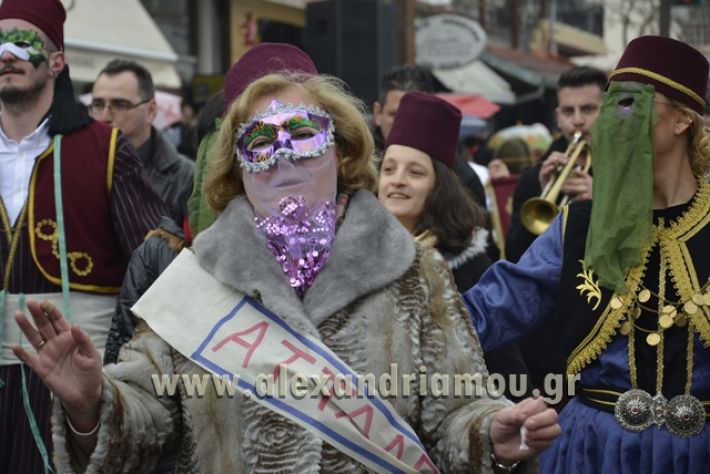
x: 622, y: 214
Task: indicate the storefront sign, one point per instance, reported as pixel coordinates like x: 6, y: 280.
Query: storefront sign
x: 448, y: 41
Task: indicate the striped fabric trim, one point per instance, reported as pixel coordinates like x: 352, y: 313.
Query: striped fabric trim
x: 19, y: 452
x: 660, y: 78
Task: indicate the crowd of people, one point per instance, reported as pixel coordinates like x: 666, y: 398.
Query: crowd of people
x: 316, y: 292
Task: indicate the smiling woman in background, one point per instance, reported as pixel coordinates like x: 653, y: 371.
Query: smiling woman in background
x: 418, y: 185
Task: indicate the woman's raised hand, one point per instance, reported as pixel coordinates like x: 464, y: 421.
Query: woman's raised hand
x: 66, y: 360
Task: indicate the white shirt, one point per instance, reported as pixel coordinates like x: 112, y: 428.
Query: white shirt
x: 16, y: 163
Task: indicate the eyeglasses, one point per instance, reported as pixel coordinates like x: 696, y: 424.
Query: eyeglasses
x: 114, y: 106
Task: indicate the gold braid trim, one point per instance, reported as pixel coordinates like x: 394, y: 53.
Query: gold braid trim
x: 565, y: 218
x: 681, y: 229
x: 693, y: 219
x: 14, y: 239
x: 688, y: 285
x: 111, y: 159
x: 683, y: 272
x: 662, y: 79
x: 690, y: 358
x: 608, y: 323
x: 5, y: 220
x: 663, y: 259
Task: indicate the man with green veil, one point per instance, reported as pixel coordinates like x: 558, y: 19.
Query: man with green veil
x: 632, y: 274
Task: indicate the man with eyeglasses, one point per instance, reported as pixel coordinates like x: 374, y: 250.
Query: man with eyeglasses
x: 74, y: 203
x: 124, y: 97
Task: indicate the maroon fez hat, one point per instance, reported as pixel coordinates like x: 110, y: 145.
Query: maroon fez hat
x: 676, y: 69
x: 47, y: 15
x: 261, y: 60
x: 429, y: 124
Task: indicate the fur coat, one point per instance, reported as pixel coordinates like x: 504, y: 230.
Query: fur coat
x: 379, y: 300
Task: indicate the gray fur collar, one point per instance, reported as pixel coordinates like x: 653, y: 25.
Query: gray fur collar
x: 475, y: 248
x: 371, y: 250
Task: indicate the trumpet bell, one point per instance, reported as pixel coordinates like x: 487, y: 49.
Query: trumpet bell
x: 537, y: 214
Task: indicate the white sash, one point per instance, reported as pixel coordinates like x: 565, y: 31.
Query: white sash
x: 234, y: 337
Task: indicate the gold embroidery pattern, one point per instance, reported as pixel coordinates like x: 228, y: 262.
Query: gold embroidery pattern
x: 609, y: 322
x: 690, y: 358
x: 13, y: 236
x: 682, y: 273
x: 80, y: 262
x: 660, y: 348
x: 589, y: 286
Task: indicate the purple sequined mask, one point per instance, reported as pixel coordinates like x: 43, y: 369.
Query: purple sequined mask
x: 282, y: 131
x: 300, y: 238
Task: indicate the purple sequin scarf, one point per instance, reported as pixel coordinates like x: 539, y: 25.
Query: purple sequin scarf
x: 300, y: 238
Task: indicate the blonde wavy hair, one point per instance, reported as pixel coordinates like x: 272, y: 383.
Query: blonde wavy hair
x: 698, y: 140
x: 353, y: 141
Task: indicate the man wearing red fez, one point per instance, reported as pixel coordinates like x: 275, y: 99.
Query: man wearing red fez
x: 627, y: 276
x: 75, y: 204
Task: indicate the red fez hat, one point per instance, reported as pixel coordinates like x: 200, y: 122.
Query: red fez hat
x: 676, y: 69
x: 47, y: 15
x: 429, y: 124
x: 261, y: 60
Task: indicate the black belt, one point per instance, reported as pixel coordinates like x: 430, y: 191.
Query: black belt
x: 636, y: 410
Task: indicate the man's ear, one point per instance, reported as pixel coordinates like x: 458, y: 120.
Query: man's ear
x: 376, y: 112
x: 56, y: 62
x: 152, y: 110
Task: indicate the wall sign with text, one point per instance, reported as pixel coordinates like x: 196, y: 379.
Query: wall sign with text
x: 448, y: 41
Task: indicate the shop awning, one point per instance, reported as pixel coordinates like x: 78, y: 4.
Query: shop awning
x: 98, y: 31
x: 472, y: 105
x: 476, y: 78
x: 528, y: 73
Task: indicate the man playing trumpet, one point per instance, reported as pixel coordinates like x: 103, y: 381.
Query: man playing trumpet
x: 580, y: 91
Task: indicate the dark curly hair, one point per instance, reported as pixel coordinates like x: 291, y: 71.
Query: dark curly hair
x: 449, y: 211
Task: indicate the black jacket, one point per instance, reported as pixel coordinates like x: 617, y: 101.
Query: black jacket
x: 147, y: 263
x: 171, y: 175
x: 519, y: 238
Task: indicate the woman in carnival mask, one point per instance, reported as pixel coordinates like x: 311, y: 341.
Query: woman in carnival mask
x: 300, y: 234
x: 632, y: 271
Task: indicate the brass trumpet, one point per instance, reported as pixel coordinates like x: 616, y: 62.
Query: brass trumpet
x: 538, y: 213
